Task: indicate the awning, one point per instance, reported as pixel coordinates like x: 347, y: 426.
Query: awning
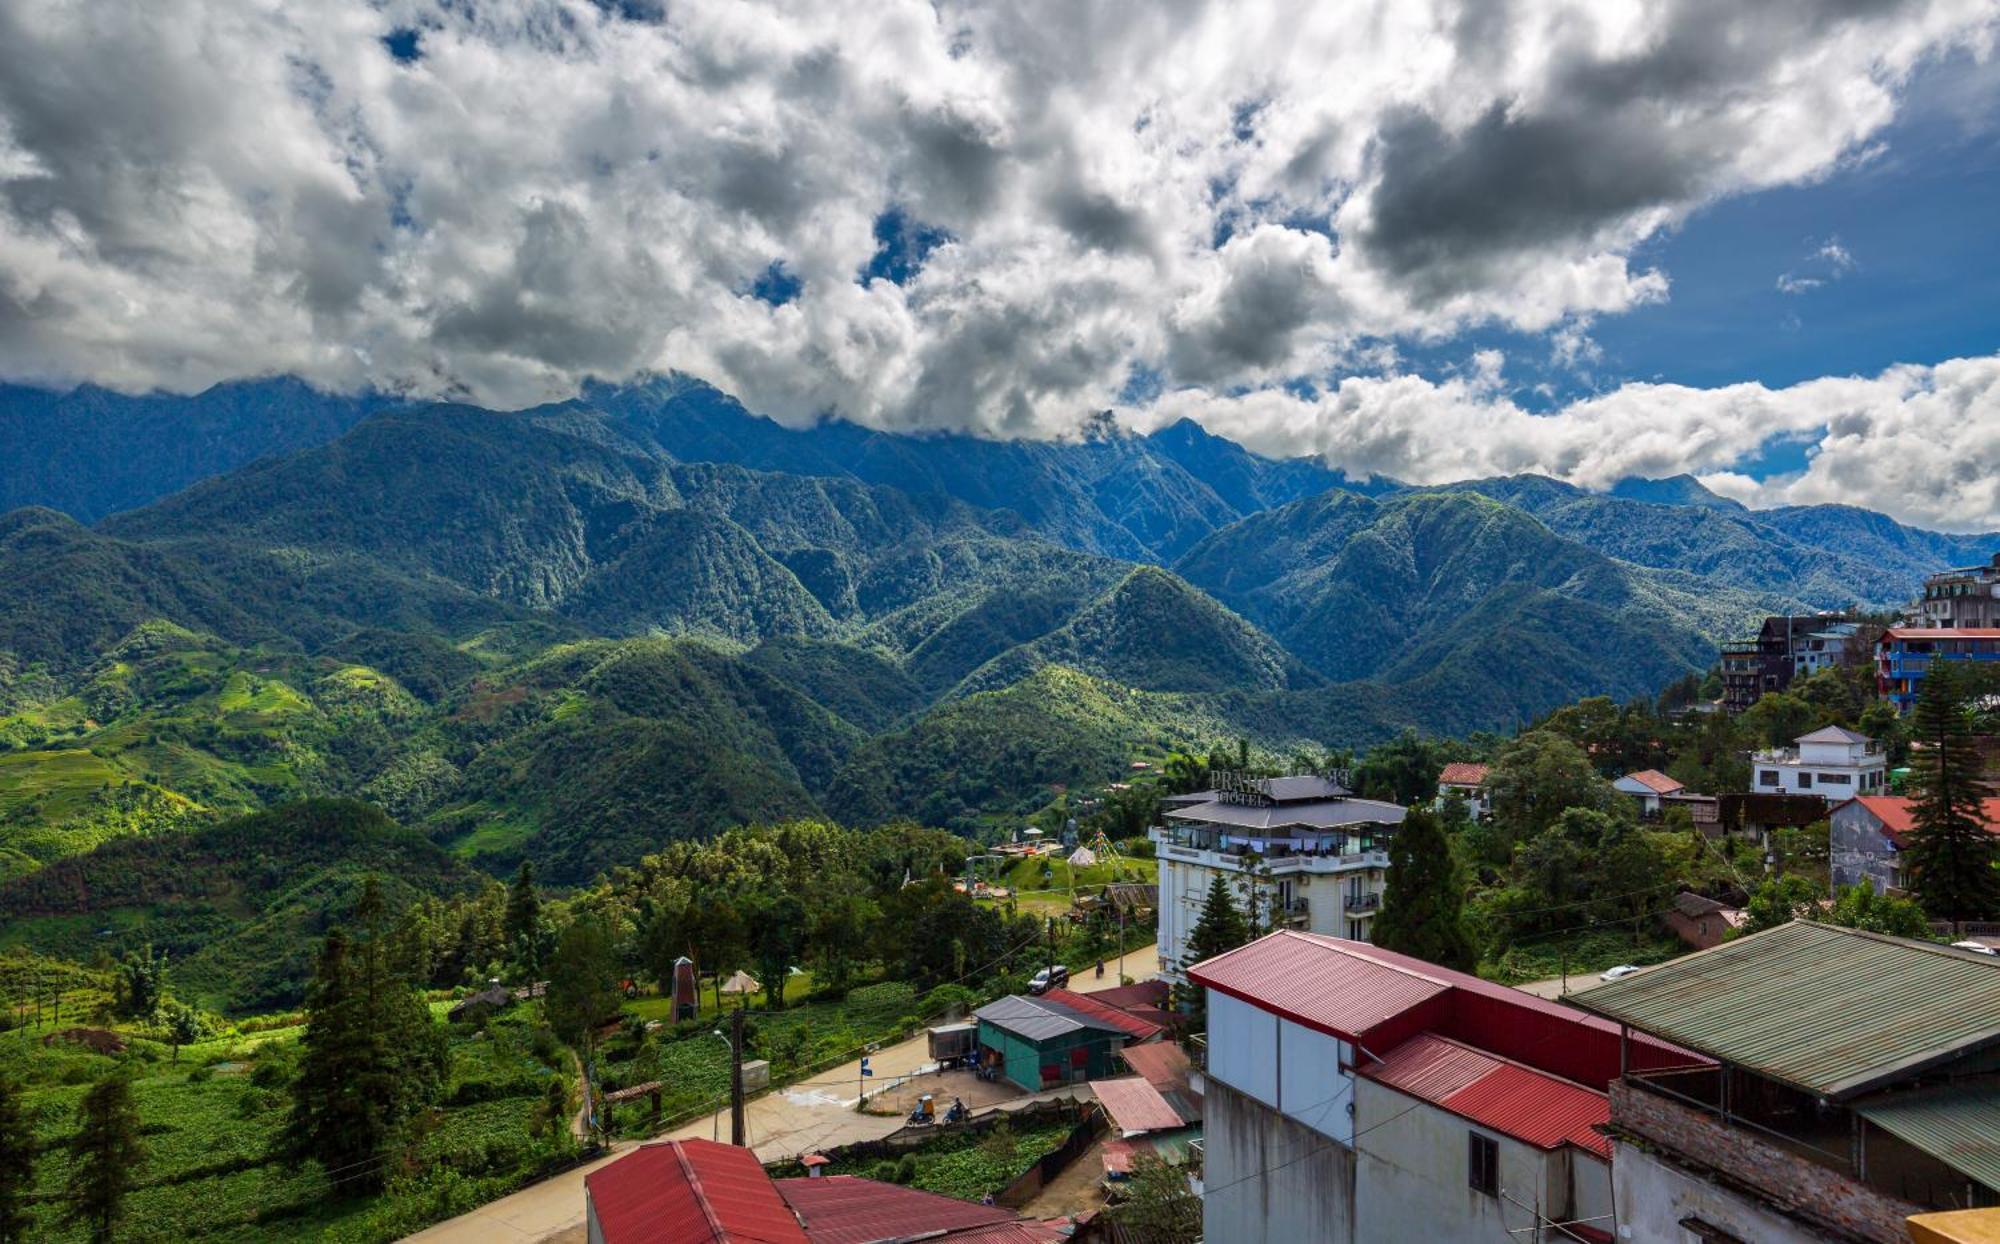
x: 1957, y: 1125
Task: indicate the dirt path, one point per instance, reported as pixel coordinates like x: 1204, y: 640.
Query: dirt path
x: 579, y: 1126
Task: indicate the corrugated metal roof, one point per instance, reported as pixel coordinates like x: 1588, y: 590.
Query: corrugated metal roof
x: 1136, y: 1106
x: 1516, y: 1101
x: 1164, y: 1064
x: 1316, y: 982
x: 1039, y: 1019
x: 690, y: 1192
x: 1317, y: 814
x: 1958, y: 1125
x: 1831, y: 1011
x: 1463, y: 773
x: 1090, y: 1006
x: 846, y: 1209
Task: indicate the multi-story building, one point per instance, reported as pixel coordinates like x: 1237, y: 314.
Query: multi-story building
x: 1905, y: 653
x: 1298, y: 852
x: 1830, y: 762
x: 1466, y: 781
x: 1867, y: 835
x: 1966, y: 597
x: 1785, y: 648
x: 1357, y: 1096
x: 1849, y: 1083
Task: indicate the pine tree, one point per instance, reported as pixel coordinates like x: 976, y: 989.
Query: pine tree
x: 1951, y: 857
x: 107, y: 1154
x: 373, y: 1057
x: 17, y: 1164
x: 524, y: 918
x: 1423, y: 910
x: 1219, y: 929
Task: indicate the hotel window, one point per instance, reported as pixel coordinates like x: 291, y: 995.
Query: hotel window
x: 1482, y: 1161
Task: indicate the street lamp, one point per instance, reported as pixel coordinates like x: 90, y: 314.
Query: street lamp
x: 715, y: 1120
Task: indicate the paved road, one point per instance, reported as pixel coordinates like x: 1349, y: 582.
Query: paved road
x: 814, y: 1114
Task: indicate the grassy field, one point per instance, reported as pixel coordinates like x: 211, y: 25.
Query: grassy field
x: 210, y: 1120
x: 1047, y: 884
x: 1584, y: 956
x: 963, y: 1165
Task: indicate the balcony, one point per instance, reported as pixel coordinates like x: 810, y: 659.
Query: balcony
x: 1291, y: 914
x: 1208, y: 849
x: 1360, y: 906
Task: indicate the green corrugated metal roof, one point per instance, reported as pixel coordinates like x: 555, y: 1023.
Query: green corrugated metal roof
x: 1828, y: 1010
x: 1957, y: 1125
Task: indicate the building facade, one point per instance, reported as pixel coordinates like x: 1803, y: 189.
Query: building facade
x: 1824, y: 1113
x: 1648, y: 786
x: 1300, y: 851
x: 1466, y: 782
x: 1904, y: 654
x: 1357, y: 1096
x: 1866, y: 837
x: 1786, y: 647
x: 1966, y: 597
x: 1832, y: 763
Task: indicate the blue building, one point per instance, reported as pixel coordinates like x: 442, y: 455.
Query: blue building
x: 1905, y: 653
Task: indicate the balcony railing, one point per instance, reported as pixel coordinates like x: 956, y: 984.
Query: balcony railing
x: 1363, y: 904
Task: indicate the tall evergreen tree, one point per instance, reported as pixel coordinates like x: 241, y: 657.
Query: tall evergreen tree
x: 107, y: 1155
x: 17, y: 1164
x: 583, y: 982
x: 1951, y: 857
x: 1220, y: 928
x: 1423, y: 912
x: 374, y: 1055
x: 524, y: 919
x: 140, y: 985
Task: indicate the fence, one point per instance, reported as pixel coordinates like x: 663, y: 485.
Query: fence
x: 1055, y: 1162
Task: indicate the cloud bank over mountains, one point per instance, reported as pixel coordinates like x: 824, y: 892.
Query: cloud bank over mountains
x: 992, y: 217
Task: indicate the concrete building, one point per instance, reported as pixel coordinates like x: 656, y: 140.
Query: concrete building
x: 1851, y: 1084
x: 1465, y: 781
x: 1648, y: 786
x: 1304, y: 851
x: 1830, y: 762
x: 1702, y: 922
x: 1786, y: 647
x: 1904, y: 654
x: 1968, y: 596
x: 1866, y: 837
x: 1357, y: 1095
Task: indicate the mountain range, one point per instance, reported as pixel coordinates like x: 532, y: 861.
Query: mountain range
x: 575, y: 632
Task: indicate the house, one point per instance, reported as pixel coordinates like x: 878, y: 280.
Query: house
x: 1058, y: 1038
x: 1704, y: 811
x: 1702, y: 922
x: 1303, y: 851
x: 1466, y: 781
x: 1967, y: 597
x: 1785, y: 648
x: 1756, y: 815
x: 1850, y: 1084
x: 1830, y: 762
x: 1647, y: 786
x: 1904, y: 653
x: 1867, y: 836
x: 701, y: 1192
x: 482, y: 1005
x: 1353, y: 1094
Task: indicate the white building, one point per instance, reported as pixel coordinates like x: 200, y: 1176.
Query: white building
x: 1316, y: 857
x: 1832, y: 645
x: 1832, y: 763
x: 1357, y: 1096
x: 1647, y: 786
x: 1466, y: 782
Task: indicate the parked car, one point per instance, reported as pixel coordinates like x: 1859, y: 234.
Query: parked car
x: 1977, y: 948
x: 1052, y: 977
x: 1618, y: 973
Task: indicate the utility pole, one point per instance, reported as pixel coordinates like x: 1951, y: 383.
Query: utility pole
x: 736, y: 1129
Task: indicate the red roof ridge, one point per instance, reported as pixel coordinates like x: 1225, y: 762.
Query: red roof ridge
x: 1347, y: 946
x: 700, y: 1193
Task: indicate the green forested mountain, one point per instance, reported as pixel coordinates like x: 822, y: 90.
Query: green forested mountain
x: 578, y: 633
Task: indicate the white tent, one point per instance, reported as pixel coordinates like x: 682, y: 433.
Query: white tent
x: 1082, y: 857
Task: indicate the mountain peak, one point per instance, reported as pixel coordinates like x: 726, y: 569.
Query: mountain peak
x: 1681, y: 490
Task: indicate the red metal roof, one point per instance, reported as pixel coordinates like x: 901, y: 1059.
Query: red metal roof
x: 1020, y: 1231
x: 1136, y: 1106
x: 1318, y: 982
x: 1126, y: 1022
x: 1941, y: 632
x: 1655, y: 781
x: 1899, y: 814
x: 690, y: 1192
x: 1463, y: 773
x: 846, y: 1209
x: 1164, y: 1064
x: 1142, y: 996
x: 1529, y: 1105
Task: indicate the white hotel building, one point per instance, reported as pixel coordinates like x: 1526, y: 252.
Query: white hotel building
x: 1319, y: 857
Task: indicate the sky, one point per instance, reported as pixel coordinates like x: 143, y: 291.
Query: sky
x: 1422, y: 238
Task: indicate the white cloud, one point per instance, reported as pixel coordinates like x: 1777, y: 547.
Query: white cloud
x: 1919, y: 443
x: 1828, y: 262
x: 1230, y: 194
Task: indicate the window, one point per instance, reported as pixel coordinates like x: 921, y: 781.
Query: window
x: 1767, y: 777
x: 1482, y: 1163
x: 1805, y: 781
x: 1835, y: 779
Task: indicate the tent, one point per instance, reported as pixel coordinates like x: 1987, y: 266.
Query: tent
x: 742, y: 982
x: 1082, y: 857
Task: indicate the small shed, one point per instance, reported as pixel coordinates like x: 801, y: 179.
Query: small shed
x: 1040, y: 1043
x: 482, y: 1005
